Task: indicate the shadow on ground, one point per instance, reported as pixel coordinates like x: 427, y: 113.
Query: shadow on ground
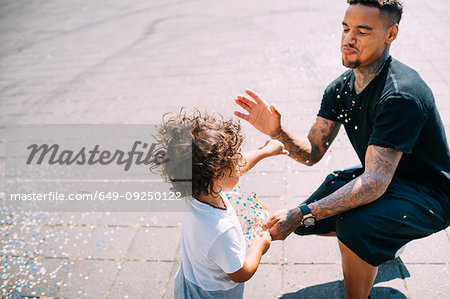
x: 335, y: 289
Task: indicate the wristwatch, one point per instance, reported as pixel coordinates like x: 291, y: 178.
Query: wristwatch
x: 308, y: 218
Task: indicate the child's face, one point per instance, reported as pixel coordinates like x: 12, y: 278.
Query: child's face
x: 227, y: 182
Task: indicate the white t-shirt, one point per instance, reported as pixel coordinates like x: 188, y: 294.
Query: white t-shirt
x: 212, y: 245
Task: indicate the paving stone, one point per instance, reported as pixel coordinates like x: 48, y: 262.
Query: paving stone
x: 61, y: 241
x: 432, y: 249
x: 168, y: 292
x: 390, y: 280
x: 428, y: 281
x: 98, y: 242
x: 311, y: 249
x: 148, y: 244
x: 57, y: 277
x: 312, y: 281
x: 118, y: 218
x: 266, y: 283
x: 141, y: 280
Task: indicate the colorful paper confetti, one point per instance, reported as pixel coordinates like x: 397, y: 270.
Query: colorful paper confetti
x: 250, y: 211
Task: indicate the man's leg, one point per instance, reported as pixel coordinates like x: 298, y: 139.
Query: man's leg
x: 375, y: 232
x: 359, y: 276
x: 334, y: 181
x: 372, y: 234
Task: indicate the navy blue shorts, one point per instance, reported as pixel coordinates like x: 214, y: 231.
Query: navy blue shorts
x: 375, y: 232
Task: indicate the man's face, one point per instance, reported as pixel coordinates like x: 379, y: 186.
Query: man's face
x: 364, y: 36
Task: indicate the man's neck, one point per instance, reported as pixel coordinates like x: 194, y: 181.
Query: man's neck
x: 365, y: 74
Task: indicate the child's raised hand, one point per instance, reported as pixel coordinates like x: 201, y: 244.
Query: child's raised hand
x: 274, y: 147
x: 263, y: 239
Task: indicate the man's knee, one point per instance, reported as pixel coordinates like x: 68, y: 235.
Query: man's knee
x: 352, y: 226
x: 355, y: 230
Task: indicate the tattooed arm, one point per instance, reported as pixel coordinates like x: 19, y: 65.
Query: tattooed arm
x: 311, y: 149
x: 380, y: 166
x: 267, y: 119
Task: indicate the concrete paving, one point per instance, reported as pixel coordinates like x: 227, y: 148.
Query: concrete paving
x: 130, y: 62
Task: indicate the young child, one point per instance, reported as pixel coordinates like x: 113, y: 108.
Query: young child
x: 214, y: 260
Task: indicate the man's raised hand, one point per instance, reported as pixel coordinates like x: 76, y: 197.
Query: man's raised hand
x: 264, y: 117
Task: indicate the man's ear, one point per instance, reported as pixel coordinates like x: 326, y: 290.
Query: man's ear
x: 392, y: 33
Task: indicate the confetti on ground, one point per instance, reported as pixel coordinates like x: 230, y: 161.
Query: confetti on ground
x: 250, y: 211
x: 35, y: 259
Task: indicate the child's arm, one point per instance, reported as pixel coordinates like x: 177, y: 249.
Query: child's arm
x: 259, y: 247
x: 271, y: 148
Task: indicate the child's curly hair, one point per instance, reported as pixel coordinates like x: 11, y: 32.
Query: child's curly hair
x: 213, y: 142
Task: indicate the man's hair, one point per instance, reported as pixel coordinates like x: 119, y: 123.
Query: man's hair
x: 213, y: 142
x: 392, y: 8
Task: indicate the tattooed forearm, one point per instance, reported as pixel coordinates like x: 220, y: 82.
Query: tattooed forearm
x: 299, y: 149
x: 380, y: 167
x: 311, y: 149
x: 356, y: 193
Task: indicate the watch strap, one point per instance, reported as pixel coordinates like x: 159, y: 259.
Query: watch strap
x: 305, y: 210
x: 306, y: 214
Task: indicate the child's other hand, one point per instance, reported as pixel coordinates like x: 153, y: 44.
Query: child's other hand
x: 263, y: 239
x: 274, y: 147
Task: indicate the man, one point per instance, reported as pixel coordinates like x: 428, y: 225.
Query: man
x: 402, y: 191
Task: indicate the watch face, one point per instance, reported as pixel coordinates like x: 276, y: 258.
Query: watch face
x: 309, y: 221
